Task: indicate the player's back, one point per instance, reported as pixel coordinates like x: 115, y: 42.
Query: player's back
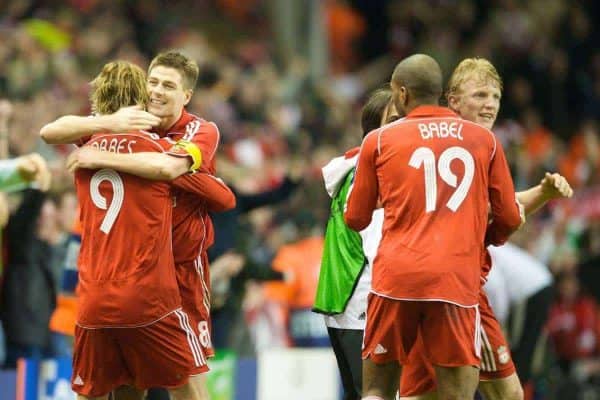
x: 433, y: 173
x: 126, y: 269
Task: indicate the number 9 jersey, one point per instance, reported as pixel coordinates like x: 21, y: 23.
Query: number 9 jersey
x: 126, y: 271
x: 435, y: 175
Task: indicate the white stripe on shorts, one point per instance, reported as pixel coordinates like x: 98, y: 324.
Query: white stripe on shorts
x: 196, y: 340
x: 477, y: 338
x: 490, y: 366
x: 191, y: 338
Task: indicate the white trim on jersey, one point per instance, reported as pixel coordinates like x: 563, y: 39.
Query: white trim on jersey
x: 200, y: 269
x: 495, y: 145
x: 205, y: 292
x: 192, y: 339
x: 440, y: 300
x: 382, y: 129
x: 218, y: 139
x: 128, y: 326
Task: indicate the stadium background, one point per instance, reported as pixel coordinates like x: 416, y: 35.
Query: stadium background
x: 285, y: 80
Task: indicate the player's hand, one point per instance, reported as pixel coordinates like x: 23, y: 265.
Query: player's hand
x: 4, y: 211
x: 83, y: 157
x: 132, y: 118
x: 34, y: 168
x: 555, y: 186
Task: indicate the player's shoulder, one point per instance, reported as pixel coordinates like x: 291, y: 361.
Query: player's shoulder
x: 374, y: 138
x: 376, y: 134
x: 195, y: 120
x: 477, y: 129
x: 198, y: 128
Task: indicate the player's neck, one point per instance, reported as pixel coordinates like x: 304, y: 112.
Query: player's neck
x: 414, y: 104
x: 167, y: 122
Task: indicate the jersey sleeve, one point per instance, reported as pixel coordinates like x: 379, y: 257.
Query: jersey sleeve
x: 217, y: 195
x: 506, y: 212
x: 183, y: 148
x: 201, y: 140
x: 363, y: 194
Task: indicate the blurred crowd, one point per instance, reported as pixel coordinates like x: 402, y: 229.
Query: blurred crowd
x: 281, y: 119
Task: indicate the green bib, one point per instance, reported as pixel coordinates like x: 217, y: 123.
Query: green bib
x: 343, y: 258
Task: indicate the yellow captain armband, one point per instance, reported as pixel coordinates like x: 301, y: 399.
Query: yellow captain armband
x: 193, y: 151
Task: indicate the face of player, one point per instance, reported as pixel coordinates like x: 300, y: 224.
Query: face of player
x: 389, y: 114
x: 399, y: 98
x: 167, y: 94
x: 477, y: 102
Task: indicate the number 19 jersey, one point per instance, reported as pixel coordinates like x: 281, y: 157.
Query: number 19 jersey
x: 126, y: 271
x: 435, y: 175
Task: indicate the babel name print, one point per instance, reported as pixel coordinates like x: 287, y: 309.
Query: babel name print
x: 441, y: 130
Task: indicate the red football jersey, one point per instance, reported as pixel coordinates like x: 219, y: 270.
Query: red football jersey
x: 435, y: 175
x: 126, y: 271
x: 192, y: 227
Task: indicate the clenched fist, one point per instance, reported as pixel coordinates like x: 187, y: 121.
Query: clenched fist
x: 555, y: 186
x: 32, y: 167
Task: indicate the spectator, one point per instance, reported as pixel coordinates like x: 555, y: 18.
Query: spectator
x: 573, y: 324
x: 29, y: 287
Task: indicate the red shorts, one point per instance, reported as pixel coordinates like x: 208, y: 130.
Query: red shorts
x: 193, y: 280
x: 450, y: 333
x: 418, y: 376
x: 161, y: 354
x: 496, y: 361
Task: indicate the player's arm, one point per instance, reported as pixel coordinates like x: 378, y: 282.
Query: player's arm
x: 363, y: 195
x: 202, y: 147
x: 507, y: 212
x: 215, y: 193
x: 161, y: 166
x: 148, y: 165
x: 73, y: 128
x: 552, y: 186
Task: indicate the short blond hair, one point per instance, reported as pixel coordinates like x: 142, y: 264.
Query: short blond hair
x: 472, y: 68
x: 119, y: 84
x: 187, y: 67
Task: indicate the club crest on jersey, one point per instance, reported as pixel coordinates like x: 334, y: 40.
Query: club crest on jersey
x: 503, y: 355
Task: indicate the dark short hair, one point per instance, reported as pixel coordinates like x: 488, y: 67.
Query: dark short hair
x: 372, y: 112
x: 421, y: 75
x: 187, y: 67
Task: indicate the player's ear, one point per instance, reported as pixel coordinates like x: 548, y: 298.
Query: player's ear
x: 403, y: 95
x: 188, y: 96
x: 453, y: 101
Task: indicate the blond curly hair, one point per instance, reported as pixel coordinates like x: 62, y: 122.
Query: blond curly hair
x: 472, y: 68
x: 119, y: 84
